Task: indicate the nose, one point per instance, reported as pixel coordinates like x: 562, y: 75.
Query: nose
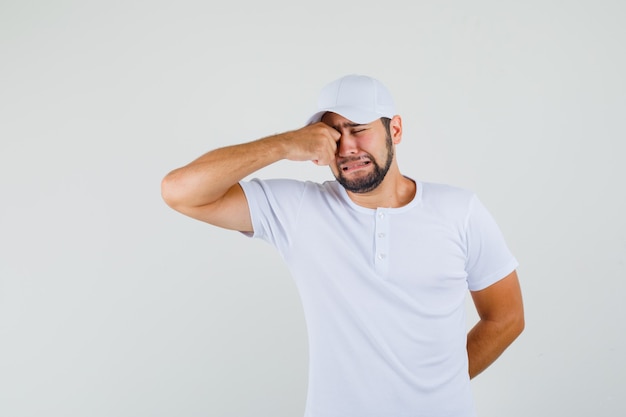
x: 347, y: 145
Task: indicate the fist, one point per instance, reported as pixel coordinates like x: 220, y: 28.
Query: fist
x: 316, y: 142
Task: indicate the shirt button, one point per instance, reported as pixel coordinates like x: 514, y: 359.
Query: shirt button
x: 381, y: 215
x: 381, y: 235
x: 381, y: 256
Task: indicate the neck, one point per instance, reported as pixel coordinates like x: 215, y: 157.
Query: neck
x: 396, y: 190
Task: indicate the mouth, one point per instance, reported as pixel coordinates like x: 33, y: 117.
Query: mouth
x: 355, y: 165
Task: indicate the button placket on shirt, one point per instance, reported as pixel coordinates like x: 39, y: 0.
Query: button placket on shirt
x: 381, y: 241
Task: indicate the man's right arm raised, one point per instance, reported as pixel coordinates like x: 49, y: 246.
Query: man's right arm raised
x: 208, y: 189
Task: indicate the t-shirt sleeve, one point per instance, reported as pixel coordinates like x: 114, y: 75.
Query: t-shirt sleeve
x: 274, y: 206
x: 488, y: 256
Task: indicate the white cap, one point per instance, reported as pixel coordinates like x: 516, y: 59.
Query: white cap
x: 358, y: 98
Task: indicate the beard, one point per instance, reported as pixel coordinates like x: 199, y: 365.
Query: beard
x: 373, y: 179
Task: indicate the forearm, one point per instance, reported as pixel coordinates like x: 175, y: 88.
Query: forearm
x: 210, y: 176
x: 488, y: 339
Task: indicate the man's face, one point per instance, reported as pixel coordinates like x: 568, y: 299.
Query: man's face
x: 364, y: 153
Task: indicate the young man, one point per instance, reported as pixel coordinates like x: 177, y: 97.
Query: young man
x: 382, y: 262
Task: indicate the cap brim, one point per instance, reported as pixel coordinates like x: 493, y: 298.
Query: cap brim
x: 354, y: 115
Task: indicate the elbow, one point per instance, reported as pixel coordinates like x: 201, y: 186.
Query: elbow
x: 521, y: 322
x: 517, y: 324
x: 168, y: 190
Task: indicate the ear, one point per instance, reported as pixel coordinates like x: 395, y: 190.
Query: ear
x: 395, y: 128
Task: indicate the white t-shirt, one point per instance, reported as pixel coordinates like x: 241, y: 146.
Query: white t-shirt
x: 383, y: 292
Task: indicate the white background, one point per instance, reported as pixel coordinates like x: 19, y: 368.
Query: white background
x: 112, y: 304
